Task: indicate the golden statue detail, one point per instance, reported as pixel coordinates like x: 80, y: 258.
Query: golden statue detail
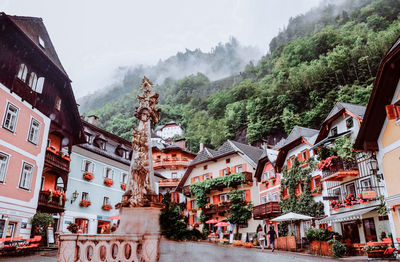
x: 140, y: 189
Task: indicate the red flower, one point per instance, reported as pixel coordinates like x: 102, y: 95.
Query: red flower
x: 123, y: 186
x: 85, y: 203
x: 108, y: 182
x: 88, y: 176
x: 106, y: 207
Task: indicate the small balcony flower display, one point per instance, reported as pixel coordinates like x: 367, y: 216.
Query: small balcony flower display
x: 123, y: 186
x: 362, y: 200
x: 327, y: 163
x: 222, y: 203
x: 106, y: 207
x: 85, y: 203
x: 88, y: 176
x: 73, y: 228
x: 335, y: 204
x: 350, y: 200
x: 108, y: 182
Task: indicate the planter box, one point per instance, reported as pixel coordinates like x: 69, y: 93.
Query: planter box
x: 321, y: 248
x: 287, y: 243
x: 375, y: 253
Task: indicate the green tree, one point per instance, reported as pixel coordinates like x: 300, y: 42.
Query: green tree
x: 240, y: 211
x: 40, y: 223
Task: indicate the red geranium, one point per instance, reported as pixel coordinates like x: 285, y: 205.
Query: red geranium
x: 85, y: 203
x: 326, y: 163
x: 106, y: 207
x: 123, y: 186
x: 88, y: 176
x: 108, y: 182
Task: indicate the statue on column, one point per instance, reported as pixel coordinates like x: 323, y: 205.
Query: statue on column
x: 140, y: 188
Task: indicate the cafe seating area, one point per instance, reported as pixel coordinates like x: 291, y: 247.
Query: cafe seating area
x: 17, y: 245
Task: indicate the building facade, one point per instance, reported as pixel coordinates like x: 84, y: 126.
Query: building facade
x: 97, y: 180
x: 169, y: 130
x: 36, y: 95
x: 379, y: 133
x: 230, y: 159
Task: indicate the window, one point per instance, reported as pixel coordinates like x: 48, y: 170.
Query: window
x: 85, y: 196
x: 57, y: 104
x: 264, y: 199
x: 88, y: 137
x: 336, y: 192
x: 26, y: 176
x: 304, y: 155
x: 365, y: 184
x: 349, y: 122
x: 3, y: 167
x: 33, y: 81
x: 274, y: 197
x: 109, y: 173
x: 22, y: 72
x: 194, y: 206
x: 196, y: 179
x: 173, y: 155
x: 224, y: 198
x: 264, y: 176
x: 206, y: 176
x: 124, y: 178
x: 205, y: 167
x: 10, y: 119
x: 41, y: 42
x: 88, y: 166
x: 174, y: 175
x: 225, y: 171
x: 48, y: 142
x: 60, y: 184
x: 228, y: 160
x: 351, y: 189
x: 106, y: 201
x: 34, y: 131
x: 39, y: 86
x: 291, y: 159
x: 334, y: 131
x: 239, y: 169
x: 317, y: 182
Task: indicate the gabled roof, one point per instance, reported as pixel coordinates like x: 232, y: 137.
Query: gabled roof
x: 250, y: 153
x: 166, y: 147
x: 269, y: 155
x: 385, y: 85
x: 33, y: 28
x: 356, y: 111
x: 297, y: 136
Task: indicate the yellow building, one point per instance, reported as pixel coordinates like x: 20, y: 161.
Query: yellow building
x: 380, y: 130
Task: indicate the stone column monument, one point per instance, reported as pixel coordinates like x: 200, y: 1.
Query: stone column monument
x: 138, y: 235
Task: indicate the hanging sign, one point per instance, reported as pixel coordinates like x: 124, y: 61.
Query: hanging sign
x: 368, y: 194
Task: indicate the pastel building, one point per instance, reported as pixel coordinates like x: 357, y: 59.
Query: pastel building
x: 38, y: 110
x: 379, y: 133
x: 97, y: 179
x: 169, y: 130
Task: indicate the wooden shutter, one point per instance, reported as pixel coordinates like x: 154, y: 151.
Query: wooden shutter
x: 288, y: 163
x: 192, y: 180
x: 228, y: 170
x: 300, y: 157
x: 390, y: 112
x: 191, y: 220
x: 234, y: 170
x: 221, y: 172
x: 248, y: 196
x: 189, y: 204
x: 215, y: 199
x: 307, y: 154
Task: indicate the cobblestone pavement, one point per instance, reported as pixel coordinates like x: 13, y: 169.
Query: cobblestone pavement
x: 202, y: 251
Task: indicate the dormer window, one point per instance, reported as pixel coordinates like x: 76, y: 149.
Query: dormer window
x: 88, y: 137
x: 22, y: 72
x: 41, y: 42
x: 334, y: 131
x: 349, y: 123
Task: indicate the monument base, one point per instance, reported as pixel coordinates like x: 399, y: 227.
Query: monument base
x: 137, y: 239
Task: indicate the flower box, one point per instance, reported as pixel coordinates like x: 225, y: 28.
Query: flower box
x: 327, y: 163
x: 88, y: 176
x: 375, y: 253
x: 108, y: 182
x: 123, y: 186
x: 106, y: 207
x: 85, y: 203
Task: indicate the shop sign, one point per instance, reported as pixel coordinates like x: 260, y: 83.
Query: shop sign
x: 368, y: 194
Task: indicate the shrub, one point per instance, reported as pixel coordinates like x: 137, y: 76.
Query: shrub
x: 40, y: 223
x: 338, y: 249
x: 321, y: 234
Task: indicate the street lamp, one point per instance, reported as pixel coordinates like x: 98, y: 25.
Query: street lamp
x: 74, y: 196
x: 373, y: 165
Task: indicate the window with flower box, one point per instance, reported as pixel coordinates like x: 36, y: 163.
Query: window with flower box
x: 224, y: 198
x: 88, y: 166
x: 85, y: 196
x: 239, y: 169
x: 349, y: 122
x: 337, y: 192
x: 106, y: 201
x: 334, y: 131
x: 351, y: 189
x: 207, y: 176
x: 108, y: 173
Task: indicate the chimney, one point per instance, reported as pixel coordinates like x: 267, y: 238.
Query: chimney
x: 92, y: 119
x: 201, y: 147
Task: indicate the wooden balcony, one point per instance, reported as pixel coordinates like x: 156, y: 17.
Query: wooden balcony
x: 217, y: 209
x: 339, y: 170
x: 55, y: 160
x: 53, y: 206
x: 248, y: 180
x: 171, y: 182
x: 24, y: 91
x: 267, y: 210
x: 168, y: 163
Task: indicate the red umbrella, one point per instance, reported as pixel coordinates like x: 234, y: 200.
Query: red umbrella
x: 222, y: 224
x: 114, y: 217
x: 212, y: 221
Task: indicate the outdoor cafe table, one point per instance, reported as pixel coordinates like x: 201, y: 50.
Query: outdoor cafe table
x: 13, y: 243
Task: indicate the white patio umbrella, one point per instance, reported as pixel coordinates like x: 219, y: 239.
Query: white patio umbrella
x: 291, y: 217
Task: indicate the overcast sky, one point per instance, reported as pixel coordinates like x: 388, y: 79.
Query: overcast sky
x: 93, y: 37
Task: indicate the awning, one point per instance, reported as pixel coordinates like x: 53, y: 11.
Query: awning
x: 347, y: 216
x: 329, y: 139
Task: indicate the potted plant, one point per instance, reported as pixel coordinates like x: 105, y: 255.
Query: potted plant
x: 88, y: 176
x: 108, y: 181
x: 106, y: 207
x: 73, y: 228
x: 123, y: 186
x: 85, y: 203
x: 374, y: 251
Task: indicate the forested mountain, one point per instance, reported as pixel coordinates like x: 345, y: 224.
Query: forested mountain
x: 313, y: 63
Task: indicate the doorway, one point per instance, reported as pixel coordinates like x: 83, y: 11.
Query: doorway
x: 369, y: 229
x: 11, y: 229
x: 350, y: 232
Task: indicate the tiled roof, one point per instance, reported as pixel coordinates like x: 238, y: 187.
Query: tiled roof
x: 34, y: 28
x: 358, y: 110
x: 271, y: 154
x: 297, y: 132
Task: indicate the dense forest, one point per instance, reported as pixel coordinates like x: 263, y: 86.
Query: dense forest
x: 328, y: 54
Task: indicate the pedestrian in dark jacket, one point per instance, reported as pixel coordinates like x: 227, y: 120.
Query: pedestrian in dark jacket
x: 272, y: 236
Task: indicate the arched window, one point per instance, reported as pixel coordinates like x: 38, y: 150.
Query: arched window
x: 33, y: 81
x: 23, y: 71
x: 60, y: 184
x: 40, y: 83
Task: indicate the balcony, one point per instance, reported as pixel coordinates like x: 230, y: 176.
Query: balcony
x: 267, y: 210
x: 248, y: 180
x: 54, y: 159
x: 171, y: 182
x: 168, y: 163
x: 24, y: 91
x: 339, y: 170
x: 53, y: 205
x: 219, y: 209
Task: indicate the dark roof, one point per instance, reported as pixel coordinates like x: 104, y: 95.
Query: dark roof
x: 268, y: 155
x: 33, y: 27
x: 297, y: 132
x: 385, y: 85
x: 250, y: 153
x: 166, y: 147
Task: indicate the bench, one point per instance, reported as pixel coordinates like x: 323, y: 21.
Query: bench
x: 31, y: 245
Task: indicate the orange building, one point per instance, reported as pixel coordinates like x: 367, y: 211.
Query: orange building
x: 380, y: 131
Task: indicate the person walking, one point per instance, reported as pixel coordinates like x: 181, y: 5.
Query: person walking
x: 261, y: 238
x: 272, y: 236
